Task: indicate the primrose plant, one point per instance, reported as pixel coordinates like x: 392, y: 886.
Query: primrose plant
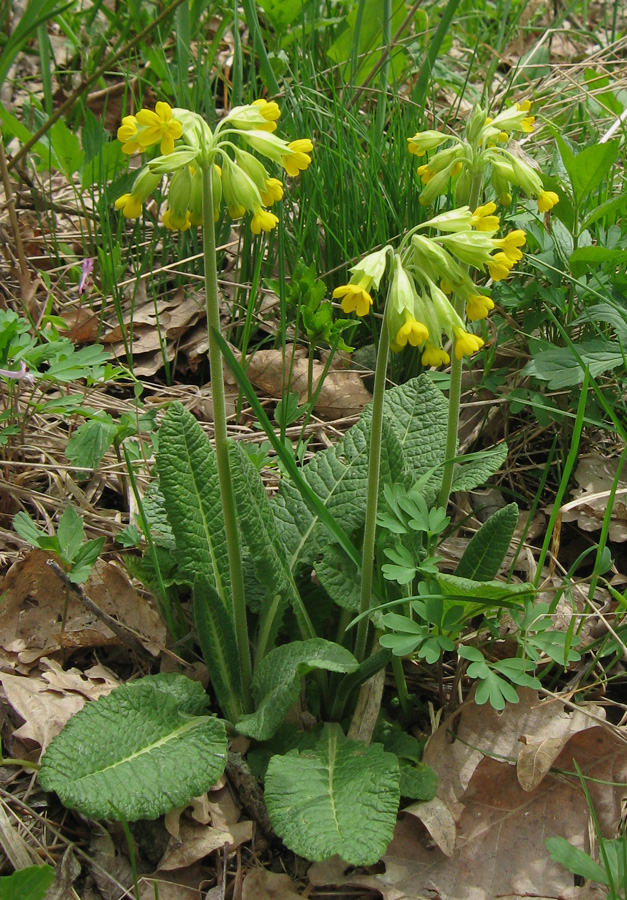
x: 365, y: 515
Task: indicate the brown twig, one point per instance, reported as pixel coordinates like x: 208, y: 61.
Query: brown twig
x: 126, y: 635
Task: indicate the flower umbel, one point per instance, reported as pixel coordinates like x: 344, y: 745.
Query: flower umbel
x: 188, y: 145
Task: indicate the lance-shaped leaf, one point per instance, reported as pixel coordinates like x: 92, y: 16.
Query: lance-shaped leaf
x: 341, y: 798
x: 216, y: 635
x: 267, y: 550
x: 146, y: 748
x: 476, y: 472
x: 277, y: 680
x: 188, y: 480
x: 484, y: 555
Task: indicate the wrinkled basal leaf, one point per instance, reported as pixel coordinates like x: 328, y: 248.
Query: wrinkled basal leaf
x: 476, y: 472
x: 277, y: 681
x: 137, y: 753
x: 341, y: 798
x: 188, y: 480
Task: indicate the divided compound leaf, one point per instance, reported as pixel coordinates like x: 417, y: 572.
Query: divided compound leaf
x: 188, y: 480
x: 30, y: 883
x: 486, y: 551
x: 277, y: 681
x: 341, y: 798
x: 137, y: 753
x: 476, y: 472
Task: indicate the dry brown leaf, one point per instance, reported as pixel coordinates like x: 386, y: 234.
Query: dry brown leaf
x: 168, y: 890
x: 342, y: 393
x: 47, y: 700
x: 595, y: 476
x: 439, y: 822
x: 459, y: 745
x: 222, y: 809
x: 502, y: 829
x: 259, y: 884
x: 31, y: 614
x: 195, y: 841
x: 332, y: 872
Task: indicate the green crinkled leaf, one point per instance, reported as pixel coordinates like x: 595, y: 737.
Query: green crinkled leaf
x: 153, y: 504
x: 216, y: 635
x: 146, y: 748
x: 560, y: 367
x: 487, y: 593
x: 413, y: 442
x: 418, y: 782
x: 267, y: 550
x: 188, y: 480
x: 339, y: 576
x: 484, y: 555
x: 30, y: 883
x: 418, y: 413
x: 341, y: 798
x: 475, y: 473
x: 277, y: 680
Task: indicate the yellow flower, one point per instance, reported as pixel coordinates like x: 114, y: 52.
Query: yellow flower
x: 413, y: 332
x: 499, y: 266
x: 273, y: 192
x: 130, y: 204
x: 270, y: 111
x: 263, y: 221
x: 158, y: 126
x: 355, y: 297
x: 235, y: 210
x: 434, y: 356
x: 478, y: 306
x: 547, y: 200
x: 176, y: 223
x: 426, y: 174
x: 528, y: 121
x: 510, y: 244
x: 425, y: 140
x: 127, y: 134
x: 456, y: 168
x: 483, y: 220
x: 466, y: 343
x: 299, y: 158
x: 445, y: 286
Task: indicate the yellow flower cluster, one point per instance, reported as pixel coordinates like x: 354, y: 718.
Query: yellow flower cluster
x: 187, y: 145
x: 482, y: 149
x: 419, y: 311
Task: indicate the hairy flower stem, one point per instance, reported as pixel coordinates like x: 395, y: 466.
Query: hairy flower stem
x: 221, y: 442
x: 372, y: 497
x: 455, y: 389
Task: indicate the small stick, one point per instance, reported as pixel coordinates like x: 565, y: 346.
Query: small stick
x: 122, y: 631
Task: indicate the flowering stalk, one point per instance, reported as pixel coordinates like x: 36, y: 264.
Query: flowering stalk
x: 455, y: 388
x: 372, y: 496
x: 221, y: 439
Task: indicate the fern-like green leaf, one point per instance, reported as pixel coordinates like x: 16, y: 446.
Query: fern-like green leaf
x: 277, y: 681
x: 484, y: 555
x: 341, y: 798
x: 188, y: 480
x: 146, y: 748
